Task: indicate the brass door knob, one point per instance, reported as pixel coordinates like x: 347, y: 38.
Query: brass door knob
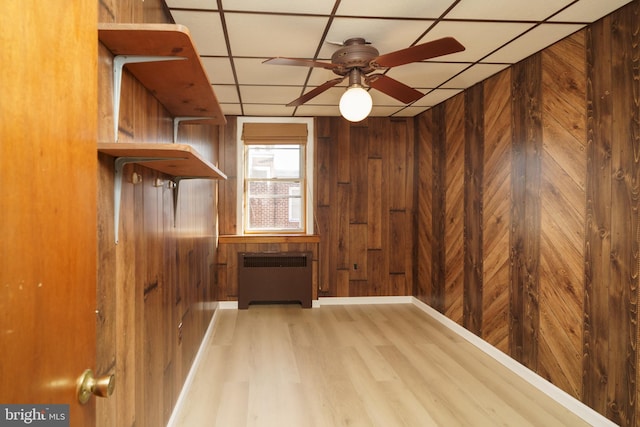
x: 89, y: 385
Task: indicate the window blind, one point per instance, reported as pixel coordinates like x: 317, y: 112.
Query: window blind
x: 274, y: 133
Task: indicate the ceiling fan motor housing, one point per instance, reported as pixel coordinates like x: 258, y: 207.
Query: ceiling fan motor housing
x: 356, y: 53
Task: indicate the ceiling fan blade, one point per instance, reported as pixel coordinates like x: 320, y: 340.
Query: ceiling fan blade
x: 393, y: 88
x: 300, y: 62
x: 315, y: 92
x: 432, y: 49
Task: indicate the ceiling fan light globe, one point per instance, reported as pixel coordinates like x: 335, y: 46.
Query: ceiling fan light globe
x: 355, y: 104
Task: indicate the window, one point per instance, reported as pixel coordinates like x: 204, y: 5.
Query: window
x: 274, y: 169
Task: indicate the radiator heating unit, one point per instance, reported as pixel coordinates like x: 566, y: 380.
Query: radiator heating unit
x: 274, y: 277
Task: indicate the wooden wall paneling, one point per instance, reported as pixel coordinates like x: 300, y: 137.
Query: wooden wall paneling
x: 525, y: 214
x: 424, y: 197
x: 399, y: 164
x: 408, y: 130
x: 342, y: 228
x: 496, y: 199
x: 454, y: 209
x: 377, y: 273
x: 598, y: 217
x: 625, y: 191
x: 439, y: 207
x: 375, y: 203
x: 358, y: 252
x: 228, y: 193
x: 563, y: 168
x: 341, y: 131
x: 358, y: 179
x: 473, y: 209
x: 399, y: 241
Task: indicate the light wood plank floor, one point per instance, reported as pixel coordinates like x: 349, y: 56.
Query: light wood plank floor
x: 358, y: 365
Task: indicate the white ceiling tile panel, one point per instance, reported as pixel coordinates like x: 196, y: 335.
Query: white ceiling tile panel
x: 426, y: 75
x: 267, y: 110
x: 205, y: 29
x: 395, y: 9
x: 435, y: 97
x: 253, y: 72
x: 218, y: 69
x: 226, y: 93
x: 280, y: 95
x: 507, y: 10
x: 386, y: 35
x: 532, y: 42
x: 478, y: 38
x: 274, y: 35
x: 589, y: 10
x: 474, y: 75
x: 280, y: 6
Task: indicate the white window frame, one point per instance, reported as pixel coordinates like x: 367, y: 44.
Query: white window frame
x: 309, y: 152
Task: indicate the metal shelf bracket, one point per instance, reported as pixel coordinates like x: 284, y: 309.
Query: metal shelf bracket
x: 118, y: 177
x: 119, y: 61
x: 177, y: 120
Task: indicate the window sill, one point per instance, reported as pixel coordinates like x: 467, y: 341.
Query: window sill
x: 269, y: 238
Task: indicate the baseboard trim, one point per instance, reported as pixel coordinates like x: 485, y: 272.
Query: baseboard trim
x: 364, y: 300
x: 565, y: 399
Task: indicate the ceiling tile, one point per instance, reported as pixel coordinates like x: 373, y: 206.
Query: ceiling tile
x: 267, y: 36
x: 218, y: 69
x: 478, y: 38
x: 381, y: 99
x: 280, y: 6
x: 253, y: 71
x: 193, y: 4
x: 280, y: 95
x: 386, y: 35
x: 231, y: 109
x: 320, y: 75
x: 535, y: 40
x: 474, y: 75
x: 426, y: 75
x: 589, y: 10
x: 267, y: 110
x: 397, y: 8
x: 384, y: 111
x: 226, y: 93
x: 328, y: 97
x: 435, y: 97
x: 410, y: 111
x: 506, y: 10
x: 317, y: 110
x: 206, y: 31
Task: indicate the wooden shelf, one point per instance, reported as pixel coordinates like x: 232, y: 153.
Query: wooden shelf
x: 164, y: 59
x: 268, y: 238
x: 177, y: 160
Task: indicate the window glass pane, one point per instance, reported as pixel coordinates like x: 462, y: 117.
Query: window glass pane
x: 273, y: 161
x: 274, y: 205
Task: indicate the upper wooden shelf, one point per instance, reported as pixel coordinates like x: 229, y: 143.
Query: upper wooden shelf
x: 181, y: 159
x: 182, y: 86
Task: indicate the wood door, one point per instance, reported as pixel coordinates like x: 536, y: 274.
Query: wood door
x: 48, y: 122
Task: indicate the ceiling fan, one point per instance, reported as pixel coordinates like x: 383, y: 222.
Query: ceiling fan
x: 358, y: 60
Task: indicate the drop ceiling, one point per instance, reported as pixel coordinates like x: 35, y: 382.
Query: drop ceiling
x: 235, y: 37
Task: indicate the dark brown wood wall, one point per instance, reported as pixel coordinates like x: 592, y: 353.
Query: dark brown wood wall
x: 364, y: 190
x: 528, y: 185
x: 155, y: 287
